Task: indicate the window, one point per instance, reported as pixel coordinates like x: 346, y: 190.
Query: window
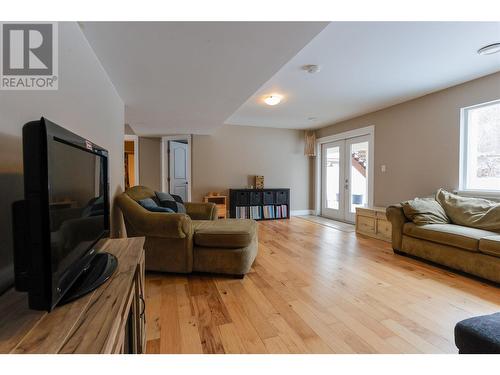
x: 480, y: 147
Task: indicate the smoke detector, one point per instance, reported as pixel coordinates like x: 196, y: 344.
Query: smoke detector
x: 311, y: 68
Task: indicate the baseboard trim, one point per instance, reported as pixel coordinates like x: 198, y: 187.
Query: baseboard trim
x: 301, y: 212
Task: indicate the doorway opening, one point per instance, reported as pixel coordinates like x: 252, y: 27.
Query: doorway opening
x: 131, y: 160
x: 345, y: 173
x: 176, y: 165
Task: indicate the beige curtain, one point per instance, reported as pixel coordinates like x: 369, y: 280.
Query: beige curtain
x: 310, y: 143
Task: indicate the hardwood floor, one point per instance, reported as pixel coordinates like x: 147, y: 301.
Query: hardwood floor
x: 315, y: 289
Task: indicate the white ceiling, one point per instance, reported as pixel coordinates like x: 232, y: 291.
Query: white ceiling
x: 189, y: 77
x: 366, y: 66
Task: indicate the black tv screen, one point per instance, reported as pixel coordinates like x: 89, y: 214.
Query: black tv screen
x: 76, y: 204
x: 64, y: 214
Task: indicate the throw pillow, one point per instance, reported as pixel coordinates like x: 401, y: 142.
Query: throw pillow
x: 150, y: 205
x: 169, y: 201
x: 470, y: 212
x: 177, y: 198
x: 425, y: 211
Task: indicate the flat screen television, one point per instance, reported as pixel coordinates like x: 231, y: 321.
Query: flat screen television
x: 64, y: 214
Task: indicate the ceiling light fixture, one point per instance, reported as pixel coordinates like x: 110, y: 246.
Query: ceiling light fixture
x: 273, y: 99
x: 490, y: 49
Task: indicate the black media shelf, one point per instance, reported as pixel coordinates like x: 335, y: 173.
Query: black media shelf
x: 259, y: 204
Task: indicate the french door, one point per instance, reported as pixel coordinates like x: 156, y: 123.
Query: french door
x: 344, y: 177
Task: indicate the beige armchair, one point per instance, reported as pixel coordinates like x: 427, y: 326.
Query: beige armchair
x: 194, y: 241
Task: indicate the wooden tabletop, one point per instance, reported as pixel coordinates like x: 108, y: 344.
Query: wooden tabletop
x: 83, y: 326
x: 377, y: 209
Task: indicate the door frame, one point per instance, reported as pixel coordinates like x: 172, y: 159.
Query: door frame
x: 367, y: 130
x: 165, y: 160
x: 135, y: 139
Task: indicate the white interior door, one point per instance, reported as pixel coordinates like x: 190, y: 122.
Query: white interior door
x: 332, y: 189
x: 345, y: 177
x: 178, y: 169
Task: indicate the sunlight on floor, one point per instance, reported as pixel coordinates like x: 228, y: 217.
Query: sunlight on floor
x: 339, y: 225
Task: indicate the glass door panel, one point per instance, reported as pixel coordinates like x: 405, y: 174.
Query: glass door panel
x: 332, y: 180
x: 357, y: 175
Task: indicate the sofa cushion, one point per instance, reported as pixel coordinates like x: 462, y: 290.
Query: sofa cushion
x: 471, y: 212
x: 490, y: 245
x: 448, y: 234
x: 425, y: 211
x: 225, y: 233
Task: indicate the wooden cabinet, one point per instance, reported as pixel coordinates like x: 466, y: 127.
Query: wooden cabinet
x: 110, y: 319
x: 384, y: 229
x: 221, y: 203
x: 139, y: 314
x: 366, y: 224
x: 373, y: 222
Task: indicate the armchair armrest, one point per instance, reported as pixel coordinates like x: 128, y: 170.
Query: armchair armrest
x: 154, y: 224
x: 201, y: 211
x: 396, y: 216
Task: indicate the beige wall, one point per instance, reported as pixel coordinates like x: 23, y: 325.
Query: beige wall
x: 418, y: 140
x: 86, y: 104
x: 233, y: 155
x: 150, y: 162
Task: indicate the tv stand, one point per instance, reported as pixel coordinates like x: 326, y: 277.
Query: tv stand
x: 99, y: 270
x: 109, y: 319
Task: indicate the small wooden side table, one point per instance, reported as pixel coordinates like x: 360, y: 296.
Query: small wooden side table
x: 372, y: 221
x: 221, y: 202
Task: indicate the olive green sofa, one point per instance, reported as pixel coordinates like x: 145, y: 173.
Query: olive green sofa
x: 471, y: 250
x: 195, y: 241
